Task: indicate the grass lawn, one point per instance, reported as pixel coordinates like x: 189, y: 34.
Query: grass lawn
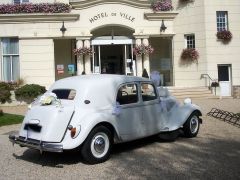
x: 8, y: 119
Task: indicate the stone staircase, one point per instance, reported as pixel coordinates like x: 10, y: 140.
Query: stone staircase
x: 191, y: 92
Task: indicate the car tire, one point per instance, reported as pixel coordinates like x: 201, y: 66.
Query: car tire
x: 191, y: 126
x: 97, y: 147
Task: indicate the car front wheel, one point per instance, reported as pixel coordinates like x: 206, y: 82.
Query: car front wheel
x: 97, y: 146
x: 191, y: 126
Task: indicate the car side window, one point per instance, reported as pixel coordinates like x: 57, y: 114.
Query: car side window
x: 148, y: 92
x: 127, y: 94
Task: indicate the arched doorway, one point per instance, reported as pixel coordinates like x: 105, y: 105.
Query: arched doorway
x: 113, y: 47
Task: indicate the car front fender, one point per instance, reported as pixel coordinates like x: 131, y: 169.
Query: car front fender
x: 179, y: 115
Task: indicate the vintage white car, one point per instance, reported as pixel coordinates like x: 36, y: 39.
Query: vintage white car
x: 93, y: 112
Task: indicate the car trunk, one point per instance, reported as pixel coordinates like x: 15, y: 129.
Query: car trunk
x: 47, y: 123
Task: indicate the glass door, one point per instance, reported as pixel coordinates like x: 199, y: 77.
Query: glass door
x: 96, y: 59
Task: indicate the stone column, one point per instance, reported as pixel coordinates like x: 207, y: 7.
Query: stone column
x: 146, y: 63
x: 80, y: 65
x: 139, y: 59
x: 87, y: 58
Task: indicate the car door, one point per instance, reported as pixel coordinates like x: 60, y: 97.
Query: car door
x: 150, y: 108
x: 129, y: 121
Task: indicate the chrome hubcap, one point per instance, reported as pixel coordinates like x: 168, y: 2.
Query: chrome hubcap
x: 194, y: 124
x: 100, y: 145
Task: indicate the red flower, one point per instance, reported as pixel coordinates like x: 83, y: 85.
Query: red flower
x: 224, y: 35
x: 83, y: 51
x: 143, y: 49
x: 189, y: 55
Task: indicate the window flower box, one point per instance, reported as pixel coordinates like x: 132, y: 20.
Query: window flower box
x: 189, y: 56
x: 143, y: 50
x: 186, y: 1
x: 29, y: 8
x: 83, y: 51
x: 161, y: 5
x: 224, y: 35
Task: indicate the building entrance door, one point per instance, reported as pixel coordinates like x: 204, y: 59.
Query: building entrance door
x: 113, y: 56
x: 224, y: 78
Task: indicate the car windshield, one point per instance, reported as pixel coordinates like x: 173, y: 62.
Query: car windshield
x: 68, y: 94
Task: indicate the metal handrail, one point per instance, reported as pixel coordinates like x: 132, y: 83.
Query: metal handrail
x: 202, y: 76
x: 210, y: 80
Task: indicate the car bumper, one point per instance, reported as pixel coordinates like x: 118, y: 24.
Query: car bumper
x: 35, y: 144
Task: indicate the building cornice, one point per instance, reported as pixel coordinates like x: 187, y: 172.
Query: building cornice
x: 156, y: 16
x: 28, y: 18
x: 83, y: 4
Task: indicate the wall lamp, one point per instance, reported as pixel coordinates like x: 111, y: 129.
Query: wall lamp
x: 163, y: 27
x: 63, y: 29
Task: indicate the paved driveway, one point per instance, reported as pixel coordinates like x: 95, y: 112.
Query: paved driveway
x: 214, y: 154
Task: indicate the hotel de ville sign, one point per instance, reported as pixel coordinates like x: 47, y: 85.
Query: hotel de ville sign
x: 106, y: 15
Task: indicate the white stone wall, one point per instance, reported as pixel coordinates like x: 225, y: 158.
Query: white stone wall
x: 37, y: 61
x: 198, y: 17
x: 190, y: 20
x: 216, y: 51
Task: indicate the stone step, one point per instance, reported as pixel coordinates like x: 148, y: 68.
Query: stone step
x: 191, y: 92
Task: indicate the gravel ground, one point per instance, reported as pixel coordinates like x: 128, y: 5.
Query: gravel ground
x: 213, y: 154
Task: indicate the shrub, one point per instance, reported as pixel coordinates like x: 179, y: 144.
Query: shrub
x: 1, y: 112
x: 28, y: 92
x: 5, y: 92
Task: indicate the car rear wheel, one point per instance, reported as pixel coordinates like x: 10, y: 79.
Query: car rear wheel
x: 97, y: 146
x: 191, y: 126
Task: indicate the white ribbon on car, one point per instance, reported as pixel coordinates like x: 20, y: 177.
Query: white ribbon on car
x: 116, y: 109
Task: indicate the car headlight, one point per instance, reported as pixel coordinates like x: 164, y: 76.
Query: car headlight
x: 187, y: 101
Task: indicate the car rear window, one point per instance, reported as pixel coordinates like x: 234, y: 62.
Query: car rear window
x: 68, y: 94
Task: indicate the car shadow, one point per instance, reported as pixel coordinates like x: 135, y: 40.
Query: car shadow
x: 58, y: 160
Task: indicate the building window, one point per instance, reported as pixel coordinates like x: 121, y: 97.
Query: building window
x: 20, y: 1
x: 222, y: 20
x: 10, y: 59
x: 190, y: 41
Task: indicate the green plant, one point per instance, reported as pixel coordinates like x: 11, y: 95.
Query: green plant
x: 1, y: 112
x: 5, y: 92
x: 8, y: 119
x: 28, y: 92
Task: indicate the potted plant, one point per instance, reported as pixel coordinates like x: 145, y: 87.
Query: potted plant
x: 143, y: 49
x: 224, y: 35
x: 161, y: 5
x: 214, y: 85
x: 34, y: 8
x: 83, y: 51
x: 189, y: 56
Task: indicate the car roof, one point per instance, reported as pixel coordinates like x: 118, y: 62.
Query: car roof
x: 105, y: 79
x: 100, y: 89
